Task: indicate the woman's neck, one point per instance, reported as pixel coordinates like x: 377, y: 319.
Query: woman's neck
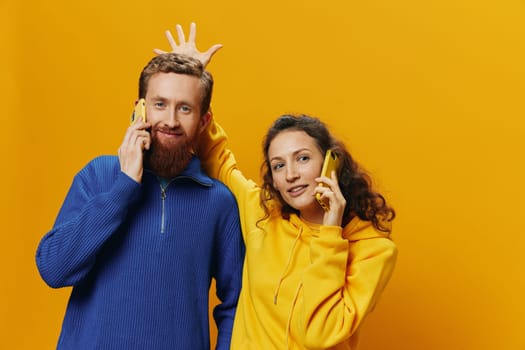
x: 314, y: 216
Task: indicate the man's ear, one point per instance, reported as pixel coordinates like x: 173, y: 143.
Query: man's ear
x: 205, y: 120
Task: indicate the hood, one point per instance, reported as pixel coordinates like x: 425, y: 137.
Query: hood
x: 358, y: 229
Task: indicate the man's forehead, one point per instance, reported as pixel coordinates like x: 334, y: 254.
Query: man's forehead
x: 171, y: 85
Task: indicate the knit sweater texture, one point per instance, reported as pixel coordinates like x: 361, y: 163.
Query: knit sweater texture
x: 141, y: 259
x: 305, y: 286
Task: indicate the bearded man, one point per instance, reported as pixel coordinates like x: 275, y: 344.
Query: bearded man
x: 140, y: 236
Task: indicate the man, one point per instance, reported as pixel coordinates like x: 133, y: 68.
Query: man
x: 140, y: 237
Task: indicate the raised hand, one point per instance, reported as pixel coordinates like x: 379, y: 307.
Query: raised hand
x: 189, y: 48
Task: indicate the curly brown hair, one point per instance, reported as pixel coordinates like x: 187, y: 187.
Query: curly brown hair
x: 355, y: 183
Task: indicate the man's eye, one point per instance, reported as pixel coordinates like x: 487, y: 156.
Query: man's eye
x: 185, y: 108
x: 159, y: 104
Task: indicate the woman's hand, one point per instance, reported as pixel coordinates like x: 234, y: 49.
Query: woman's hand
x: 332, y: 195
x: 189, y: 48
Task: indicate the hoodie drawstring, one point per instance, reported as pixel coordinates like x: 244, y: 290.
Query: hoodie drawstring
x: 289, y: 322
x: 290, y: 256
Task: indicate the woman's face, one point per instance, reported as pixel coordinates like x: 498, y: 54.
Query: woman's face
x: 295, y: 162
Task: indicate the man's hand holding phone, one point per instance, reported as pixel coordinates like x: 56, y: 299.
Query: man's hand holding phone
x: 136, y: 140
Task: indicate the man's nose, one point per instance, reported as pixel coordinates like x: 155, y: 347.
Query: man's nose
x: 172, y: 119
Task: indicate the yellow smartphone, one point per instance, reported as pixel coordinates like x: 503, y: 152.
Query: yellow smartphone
x: 139, y: 111
x: 331, y: 163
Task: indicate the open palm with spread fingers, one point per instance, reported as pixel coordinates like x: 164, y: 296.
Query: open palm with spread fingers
x: 189, y: 48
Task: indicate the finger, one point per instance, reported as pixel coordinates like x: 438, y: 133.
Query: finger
x: 146, y: 135
x: 159, y: 51
x: 323, y: 191
x: 127, y: 135
x: 333, y: 175
x: 142, y: 135
x: 328, y: 195
x: 139, y: 124
x: 325, y: 180
x: 180, y: 34
x: 171, y: 41
x: 331, y: 187
x: 193, y: 32
x: 138, y: 143
x: 329, y: 181
x: 133, y: 133
x: 212, y: 50
x: 143, y: 125
x: 146, y: 143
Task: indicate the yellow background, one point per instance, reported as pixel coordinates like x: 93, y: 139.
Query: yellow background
x: 428, y: 95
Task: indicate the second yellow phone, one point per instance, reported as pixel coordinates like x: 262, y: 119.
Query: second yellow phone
x: 331, y: 163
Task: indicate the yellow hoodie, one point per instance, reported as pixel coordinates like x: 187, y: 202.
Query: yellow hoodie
x: 305, y: 286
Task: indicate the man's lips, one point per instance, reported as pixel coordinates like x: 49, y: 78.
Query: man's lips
x: 170, y: 133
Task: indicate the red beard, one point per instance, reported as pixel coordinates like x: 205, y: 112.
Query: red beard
x: 167, y: 160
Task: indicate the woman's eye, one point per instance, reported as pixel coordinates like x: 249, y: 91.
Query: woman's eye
x: 277, y: 166
x: 303, y: 158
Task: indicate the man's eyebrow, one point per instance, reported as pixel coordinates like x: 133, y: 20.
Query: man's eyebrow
x: 181, y: 101
x: 158, y: 97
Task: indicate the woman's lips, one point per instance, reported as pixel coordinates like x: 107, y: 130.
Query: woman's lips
x: 297, y: 190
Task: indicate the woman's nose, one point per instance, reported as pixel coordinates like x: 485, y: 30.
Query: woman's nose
x: 291, y: 173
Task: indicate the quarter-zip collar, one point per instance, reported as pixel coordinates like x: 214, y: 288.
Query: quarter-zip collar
x: 193, y: 172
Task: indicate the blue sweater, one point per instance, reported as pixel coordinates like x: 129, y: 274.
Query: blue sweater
x: 141, y: 259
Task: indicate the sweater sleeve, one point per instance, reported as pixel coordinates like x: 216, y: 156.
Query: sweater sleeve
x: 343, y: 284
x: 228, y: 263
x: 86, y: 220
x: 219, y: 162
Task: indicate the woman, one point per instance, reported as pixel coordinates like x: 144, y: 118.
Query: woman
x: 310, y: 276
